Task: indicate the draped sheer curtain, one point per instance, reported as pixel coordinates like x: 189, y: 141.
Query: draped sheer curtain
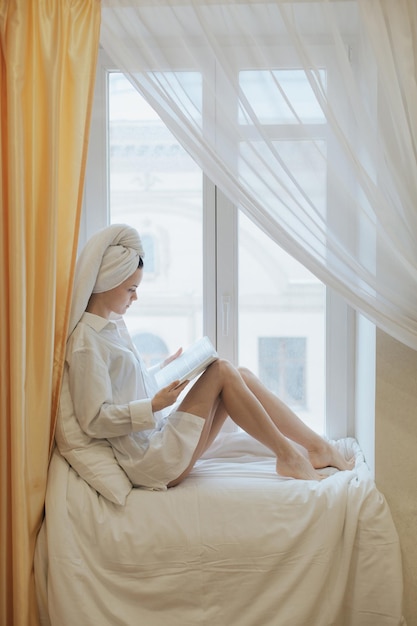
x: 252, y: 127
x: 48, y: 54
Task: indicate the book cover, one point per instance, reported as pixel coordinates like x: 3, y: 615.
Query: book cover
x: 191, y: 362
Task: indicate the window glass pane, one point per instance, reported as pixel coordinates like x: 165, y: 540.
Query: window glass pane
x: 185, y: 90
x: 292, y: 191
x: 281, y: 97
x: 157, y: 188
x: 281, y: 304
x: 282, y: 323
x: 282, y: 366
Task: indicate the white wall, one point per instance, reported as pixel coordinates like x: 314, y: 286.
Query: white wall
x: 396, y: 452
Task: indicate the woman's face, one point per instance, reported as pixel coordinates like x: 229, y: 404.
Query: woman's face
x: 119, y: 299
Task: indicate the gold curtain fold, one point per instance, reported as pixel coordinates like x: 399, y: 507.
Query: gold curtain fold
x: 47, y: 68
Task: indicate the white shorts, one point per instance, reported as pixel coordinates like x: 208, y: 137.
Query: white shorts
x: 154, y: 458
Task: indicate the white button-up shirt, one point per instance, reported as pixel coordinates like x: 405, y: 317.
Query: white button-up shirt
x: 106, y: 399
x: 111, y: 389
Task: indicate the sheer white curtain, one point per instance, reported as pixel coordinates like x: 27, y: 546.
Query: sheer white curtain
x: 304, y: 116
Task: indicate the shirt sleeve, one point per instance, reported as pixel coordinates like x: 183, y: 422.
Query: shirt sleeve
x: 92, y: 395
x: 140, y: 410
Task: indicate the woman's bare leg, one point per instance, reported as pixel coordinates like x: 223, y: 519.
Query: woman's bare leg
x: 223, y: 381
x: 321, y: 453
x: 219, y: 419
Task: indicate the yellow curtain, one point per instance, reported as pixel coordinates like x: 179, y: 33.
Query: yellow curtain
x: 47, y: 68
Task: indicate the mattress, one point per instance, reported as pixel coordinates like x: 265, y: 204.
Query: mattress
x: 232, y: 545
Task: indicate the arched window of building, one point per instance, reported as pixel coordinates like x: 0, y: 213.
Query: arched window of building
x: 151, y: 347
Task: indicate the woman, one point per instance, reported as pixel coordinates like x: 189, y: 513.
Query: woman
x: 115, y: 398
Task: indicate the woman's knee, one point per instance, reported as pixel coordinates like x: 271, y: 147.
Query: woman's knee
x: 219, y: 373
x: 222, y: 367
x: 226, y: 368
x: 245, y: 373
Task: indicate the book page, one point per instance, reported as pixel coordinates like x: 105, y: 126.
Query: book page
x: 189, y: 364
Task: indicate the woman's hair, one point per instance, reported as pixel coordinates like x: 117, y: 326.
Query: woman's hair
x: 140, y: 262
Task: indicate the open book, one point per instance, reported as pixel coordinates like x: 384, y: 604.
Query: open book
x: 189, y: 364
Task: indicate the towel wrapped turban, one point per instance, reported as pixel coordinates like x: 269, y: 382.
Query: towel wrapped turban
x: 109, y: 257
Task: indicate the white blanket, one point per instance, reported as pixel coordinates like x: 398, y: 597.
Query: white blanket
x: 233, y: 545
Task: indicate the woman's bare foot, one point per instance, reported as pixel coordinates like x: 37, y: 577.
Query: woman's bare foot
x: 296, y: 465
x: 327, y: 455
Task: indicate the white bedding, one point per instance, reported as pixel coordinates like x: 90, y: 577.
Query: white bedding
x: 233, y: 545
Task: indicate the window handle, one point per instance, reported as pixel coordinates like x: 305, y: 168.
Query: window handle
x: 225, y: 315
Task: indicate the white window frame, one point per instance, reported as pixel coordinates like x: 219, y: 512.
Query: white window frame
x: 349, y: 353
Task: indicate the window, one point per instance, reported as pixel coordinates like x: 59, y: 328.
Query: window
x: 282, y: 365
x: 257, y: 84
x: 152, y: 348
x: 150, y: 244
x: 156, y: 187
x: 279, y: 300
x: 209, y: 268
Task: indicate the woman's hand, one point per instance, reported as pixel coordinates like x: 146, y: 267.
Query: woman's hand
x: 168, y: 395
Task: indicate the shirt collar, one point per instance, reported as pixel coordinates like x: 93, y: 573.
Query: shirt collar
x: 96, y: 322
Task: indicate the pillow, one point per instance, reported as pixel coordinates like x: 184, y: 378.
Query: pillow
x: 92, y: 459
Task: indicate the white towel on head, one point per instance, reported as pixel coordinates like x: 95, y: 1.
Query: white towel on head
x: 109, y: 257
x: 118, y: 263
